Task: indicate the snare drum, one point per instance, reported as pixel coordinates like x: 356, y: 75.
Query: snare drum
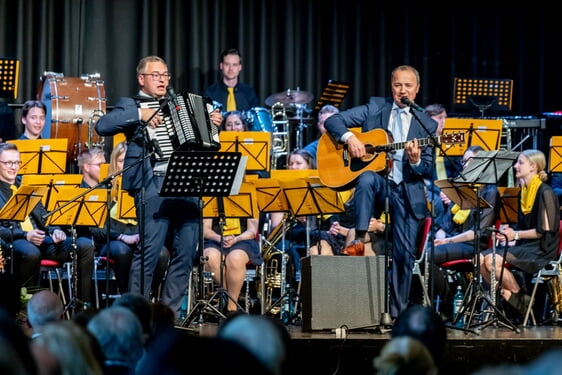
x: 74, y: 104
x: 259, y: 119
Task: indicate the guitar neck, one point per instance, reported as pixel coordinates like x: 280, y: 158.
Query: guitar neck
x: 401, y: 145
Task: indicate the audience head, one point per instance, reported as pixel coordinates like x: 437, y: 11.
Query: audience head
x: 424, y: 324
x: 234, y: 121
x: 325, y: 112
x: 15, y: 353
x: 44, y: 307
x: 74, y: 347
x: 89, y: 162
x: 260, y: 336
x: 438, y: 113
x: 33, y: 118
x: 139, y: 305
x: 119, y: 334
x: 301, y: 159
x: 404, y: 356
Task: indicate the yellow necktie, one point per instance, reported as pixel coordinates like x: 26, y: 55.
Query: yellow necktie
x: 230, y: 101
x: 25, y: 225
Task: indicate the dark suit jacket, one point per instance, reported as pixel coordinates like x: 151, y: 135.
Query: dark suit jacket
x: 376, y: 115
x: 124, y: 118
x: 37, y: 216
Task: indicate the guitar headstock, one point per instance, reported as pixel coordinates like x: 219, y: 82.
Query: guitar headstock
x: 452, y: 138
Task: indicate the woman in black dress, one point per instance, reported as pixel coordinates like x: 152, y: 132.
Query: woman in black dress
x: 536, y: 238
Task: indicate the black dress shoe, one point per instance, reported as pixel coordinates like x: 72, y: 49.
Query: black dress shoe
x: 520, y: 302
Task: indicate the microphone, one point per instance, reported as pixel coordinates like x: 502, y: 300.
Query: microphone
x: 407, y: 101
x: 173, y: 97
x: 156, y: 147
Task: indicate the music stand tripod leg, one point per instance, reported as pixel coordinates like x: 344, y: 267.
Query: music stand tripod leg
x: 73, y: 302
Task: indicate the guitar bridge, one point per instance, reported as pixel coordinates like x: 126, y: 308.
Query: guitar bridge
x: 345, y: 157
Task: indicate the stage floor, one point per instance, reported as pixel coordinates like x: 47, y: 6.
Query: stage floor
x: 321, y: 352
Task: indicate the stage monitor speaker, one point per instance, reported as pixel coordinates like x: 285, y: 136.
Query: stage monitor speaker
x: 342, y: 290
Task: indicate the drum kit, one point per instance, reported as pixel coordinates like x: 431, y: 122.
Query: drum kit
x: 286, y: 120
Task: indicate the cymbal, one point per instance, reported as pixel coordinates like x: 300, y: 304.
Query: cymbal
x: 290, y: 97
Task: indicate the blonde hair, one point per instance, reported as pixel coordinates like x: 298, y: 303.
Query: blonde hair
x: 537, y: 157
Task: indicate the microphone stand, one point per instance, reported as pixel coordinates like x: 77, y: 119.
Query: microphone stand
x: 156, y: 149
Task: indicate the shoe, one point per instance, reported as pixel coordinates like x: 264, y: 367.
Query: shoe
x: 357, y: 248
x: 520, y: 302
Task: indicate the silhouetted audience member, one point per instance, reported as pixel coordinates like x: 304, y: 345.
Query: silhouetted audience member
x: 142, y: 308
x: 15, y: 354
x: 177, y: 353
x: 260, y: 336
x: 425, y: 325
x: 43, y: 308
x: 120, y: 336
x: 404, y: 356
x: 11, y: 290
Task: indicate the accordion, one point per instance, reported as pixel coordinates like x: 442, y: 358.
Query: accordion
x: 186, y: 126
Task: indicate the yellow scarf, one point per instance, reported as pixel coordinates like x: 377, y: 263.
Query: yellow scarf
x: 460, y: 216
x: 528, y: 194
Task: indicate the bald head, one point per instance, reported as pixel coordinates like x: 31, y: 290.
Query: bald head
x: 44, y: 307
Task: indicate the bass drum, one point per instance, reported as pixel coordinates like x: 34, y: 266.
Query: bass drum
x: 74, y: 104
x: 259, y: 119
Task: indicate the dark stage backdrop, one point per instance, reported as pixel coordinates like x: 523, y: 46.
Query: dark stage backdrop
x: 291, y: 44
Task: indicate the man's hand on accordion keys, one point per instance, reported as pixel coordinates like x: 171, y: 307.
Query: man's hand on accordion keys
x: 147, y: 115
x: 216, y: 117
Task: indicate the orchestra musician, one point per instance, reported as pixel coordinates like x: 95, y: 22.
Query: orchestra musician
x: 408, y: 206
x: 158, y: 217
x: 32, y: 240
x: 33, y: 119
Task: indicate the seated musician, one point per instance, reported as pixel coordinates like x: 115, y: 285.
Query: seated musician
x: 32, y: 240
x: 460, y: 224
x: 33, y: 119
x: 123, y: 233
x: 536, y: 237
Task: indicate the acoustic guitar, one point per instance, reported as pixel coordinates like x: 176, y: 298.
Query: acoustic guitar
x: 337, y: 169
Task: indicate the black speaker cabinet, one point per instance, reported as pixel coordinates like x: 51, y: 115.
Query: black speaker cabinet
x: 342, y: 290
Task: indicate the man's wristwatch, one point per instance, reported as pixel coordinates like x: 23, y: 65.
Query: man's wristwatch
x: 516, y: 236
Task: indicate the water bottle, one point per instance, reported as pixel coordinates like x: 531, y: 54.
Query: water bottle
x: 457, y: 304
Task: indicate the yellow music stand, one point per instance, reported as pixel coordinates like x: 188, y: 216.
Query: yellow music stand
x: 254, y: 145
x: 555, y: 155
x: 509, y: 204
x: 77, y: 206
x: 269, y: 192
x: 482, y: 132
x: 241, y: 205
x: 51, y: 182
x: 40, y: 156
x: 22, y: 202
x: 308, y: 196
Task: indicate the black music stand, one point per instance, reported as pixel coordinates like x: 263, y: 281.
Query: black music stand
x: 483, y: 93
x: 87, y: 207
x: 486, y: 167
x: 202, y: 174
x: 333, y: 94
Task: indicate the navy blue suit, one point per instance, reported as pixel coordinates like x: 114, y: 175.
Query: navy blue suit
x: 244, y: 95
x: 173, y: 219
x: 408, y: 204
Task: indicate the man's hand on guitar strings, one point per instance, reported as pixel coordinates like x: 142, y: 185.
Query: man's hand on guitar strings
x: 356, y: 147
x: 413, y: 150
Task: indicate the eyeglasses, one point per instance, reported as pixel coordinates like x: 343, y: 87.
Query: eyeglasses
x: 156, y: 76
x: 11, y: 164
